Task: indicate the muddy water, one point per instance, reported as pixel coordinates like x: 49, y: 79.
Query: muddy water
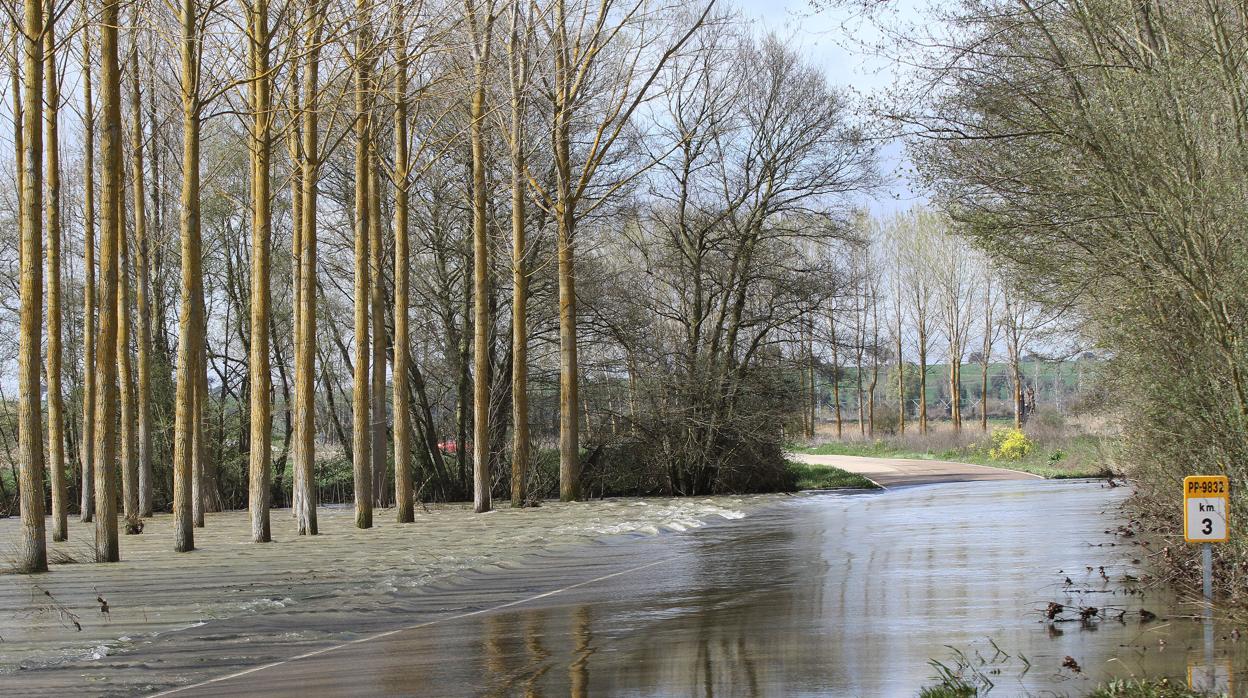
x: 154, y: 591
x: 814, y: 595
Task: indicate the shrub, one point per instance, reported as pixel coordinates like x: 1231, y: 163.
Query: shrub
x: 1010, y: 444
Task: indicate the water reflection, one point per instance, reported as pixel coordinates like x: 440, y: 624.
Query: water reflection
x: 829, y: 595
x: 856, y: 597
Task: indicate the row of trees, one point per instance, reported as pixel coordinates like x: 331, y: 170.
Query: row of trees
x: 1096, y: 148
x: 616, y: 210
x: 917, y: 293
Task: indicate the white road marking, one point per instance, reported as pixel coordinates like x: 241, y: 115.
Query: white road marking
x: 378, y: 636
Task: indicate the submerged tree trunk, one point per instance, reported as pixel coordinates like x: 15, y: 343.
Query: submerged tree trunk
x: 361, y: 435
x: 377, y: 393
x: 32, y: 551
x: 403, y: 490
x: 142, y: 298
x: 190, y: 342
x: 565, y: 215
x: 519, y: 273
x: 88, y: 283
x: 52, y: 202
x: 111, y: 193
x: 481, y: 480
x: 125, y: 377
x: 305, y: 347
x: 261, y: 456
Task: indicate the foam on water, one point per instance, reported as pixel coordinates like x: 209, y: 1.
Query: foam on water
x: 155, y: 591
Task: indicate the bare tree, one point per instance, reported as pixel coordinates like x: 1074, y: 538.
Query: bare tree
x: 191, y: 371
x: 403, y: 488
x: 305, y: 342
x: 518, y: 75
x: 480, y: 28
x: 32, y: 554
x: 917, y: 228
x: 260, y: 90
x: 360, y: 405
x: 953, y: 272
x: 581, y: 44
x: 52, y: 204
x: 107, y: 345
x: 88, y: 270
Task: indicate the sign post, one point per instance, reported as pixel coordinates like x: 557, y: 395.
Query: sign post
x: 1206, y: 511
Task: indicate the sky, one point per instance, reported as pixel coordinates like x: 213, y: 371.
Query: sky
x: 839, y: 40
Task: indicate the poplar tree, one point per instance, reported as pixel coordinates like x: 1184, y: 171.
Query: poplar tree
x: 87, y: 438
x: 361, y: 432
x: 480, y: 33
x: 32, y: 551
x: 403, y: 494
x: 260, y: 89
x: 111, y: 195
x: 305, y: 338
x: 187, y: 400
x: 52, y: 203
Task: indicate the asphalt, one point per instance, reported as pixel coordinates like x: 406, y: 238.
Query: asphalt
x: 901, y: 472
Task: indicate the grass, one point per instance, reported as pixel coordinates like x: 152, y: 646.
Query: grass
x: 826, y: 477
x: 1144, y: 689
x: 943, y: 691
x: 957, y: 688
x: 1077, y: 457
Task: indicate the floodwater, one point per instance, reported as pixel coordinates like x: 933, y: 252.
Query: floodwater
x: 827, y: 594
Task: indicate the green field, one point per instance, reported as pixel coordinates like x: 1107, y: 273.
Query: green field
x: 827, y: 477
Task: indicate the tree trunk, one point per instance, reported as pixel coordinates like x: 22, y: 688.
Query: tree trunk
x: 569, y: 373
x: 88, y: 283
x: 294, y: 142
x: 377, y: 394
x: 519, y: 276
x: 52, y: 202
x: 261, y: 455
x: 481, y: 480
x: 985, y: 355
x: 836, y: 375
x: 32, y: 550
x: 186, y: 457
x: 901, y: 376
x: 403, y: 490
x: 922, y: 380
x: 125, y: 375
x: 362, y: 462
x: 464, y: 384
x: 305, y: 348
x: 111, y: 193
x: 143, y: 319
x: 955, y: 385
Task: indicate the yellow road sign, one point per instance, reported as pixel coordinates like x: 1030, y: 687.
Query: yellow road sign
x: 1215, y: 679
x: 1206, y: 508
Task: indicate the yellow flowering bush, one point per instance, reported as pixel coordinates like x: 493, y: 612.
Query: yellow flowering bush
x: 1010, y: 444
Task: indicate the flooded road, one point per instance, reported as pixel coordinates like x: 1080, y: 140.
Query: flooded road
x: 833, y: 594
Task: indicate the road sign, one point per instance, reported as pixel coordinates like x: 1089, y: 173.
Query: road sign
x: 1212, y: 677
x: 1206, y: 508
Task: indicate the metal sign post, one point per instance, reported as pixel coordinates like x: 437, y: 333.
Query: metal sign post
x: 1206, y: 511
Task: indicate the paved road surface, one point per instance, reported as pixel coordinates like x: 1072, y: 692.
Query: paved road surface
x: 898, y: 472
